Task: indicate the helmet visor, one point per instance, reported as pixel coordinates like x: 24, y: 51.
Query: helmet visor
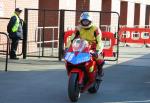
x: 85, y: 22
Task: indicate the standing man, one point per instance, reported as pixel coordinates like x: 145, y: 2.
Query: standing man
x: 14, y: 28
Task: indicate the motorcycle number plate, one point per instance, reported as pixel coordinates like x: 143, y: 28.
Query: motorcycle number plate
x: 69, y: 56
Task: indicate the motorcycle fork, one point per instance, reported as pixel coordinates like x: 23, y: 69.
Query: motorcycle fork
x: 91, y: 69
x: 80, y: 75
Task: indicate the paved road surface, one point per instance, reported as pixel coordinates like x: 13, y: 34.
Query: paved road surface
x: 126, y: 82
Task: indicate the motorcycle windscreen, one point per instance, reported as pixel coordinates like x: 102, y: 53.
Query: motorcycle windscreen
x: 77, y: 59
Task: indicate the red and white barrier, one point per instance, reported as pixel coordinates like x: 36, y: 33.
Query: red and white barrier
x: 108, y: 52
x: 135, y: 35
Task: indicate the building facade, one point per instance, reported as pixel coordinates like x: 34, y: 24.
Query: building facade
x: 132, y: 13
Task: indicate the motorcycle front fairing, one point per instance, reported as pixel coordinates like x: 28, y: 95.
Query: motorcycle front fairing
x: 78, y: 53
x: 78, y: 58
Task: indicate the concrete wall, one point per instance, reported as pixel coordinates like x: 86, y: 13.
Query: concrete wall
x: 142, y: 14
x: 115, y: 6
x: 94, y: 7
x: 130, y: 14
x: 70, y: 16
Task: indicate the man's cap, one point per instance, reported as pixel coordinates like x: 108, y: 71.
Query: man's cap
x: 18, y: 10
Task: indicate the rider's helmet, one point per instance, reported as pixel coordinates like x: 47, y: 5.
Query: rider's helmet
x: 85, y: 20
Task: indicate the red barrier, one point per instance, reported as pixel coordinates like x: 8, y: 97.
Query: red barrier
x: 135, y: 35
x: 67, y: 34
x: 107, y: 52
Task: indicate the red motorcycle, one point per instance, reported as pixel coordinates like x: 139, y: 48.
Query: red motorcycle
x: 82, y: 69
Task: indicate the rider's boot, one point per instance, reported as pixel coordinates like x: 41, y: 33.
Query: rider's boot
x: 100, y: 72
x: 100, y: 69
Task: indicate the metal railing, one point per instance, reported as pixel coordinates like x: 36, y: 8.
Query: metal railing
x: 42, y: 23
x: 61, y: 23
x: 40, y: 41
x: 40, y: 50
x: 6, y: 51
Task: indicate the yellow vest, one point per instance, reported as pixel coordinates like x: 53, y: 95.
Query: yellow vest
x: 15, y: 27
x: 88, y: 34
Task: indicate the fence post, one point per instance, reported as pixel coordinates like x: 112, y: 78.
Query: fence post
x: 61, y: 34
x: 118, y: 40
x: 43, y: 33
x: 7, y: 53
x: 25, y: 31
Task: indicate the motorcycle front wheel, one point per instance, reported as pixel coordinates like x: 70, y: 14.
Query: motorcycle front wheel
x: 73, y: 88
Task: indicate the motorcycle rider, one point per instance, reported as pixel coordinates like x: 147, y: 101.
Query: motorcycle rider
x: 88, y: 31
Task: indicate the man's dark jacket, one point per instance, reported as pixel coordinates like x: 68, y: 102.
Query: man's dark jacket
x: 14, y: 35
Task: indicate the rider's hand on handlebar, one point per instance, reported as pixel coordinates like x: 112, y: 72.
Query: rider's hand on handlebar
x: 66, y: 50
x: 95, y: 54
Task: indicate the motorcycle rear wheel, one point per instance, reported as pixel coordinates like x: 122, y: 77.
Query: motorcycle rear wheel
x: 73, y: 88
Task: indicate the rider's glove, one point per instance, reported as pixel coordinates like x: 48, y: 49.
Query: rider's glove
x: 94, y: 54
